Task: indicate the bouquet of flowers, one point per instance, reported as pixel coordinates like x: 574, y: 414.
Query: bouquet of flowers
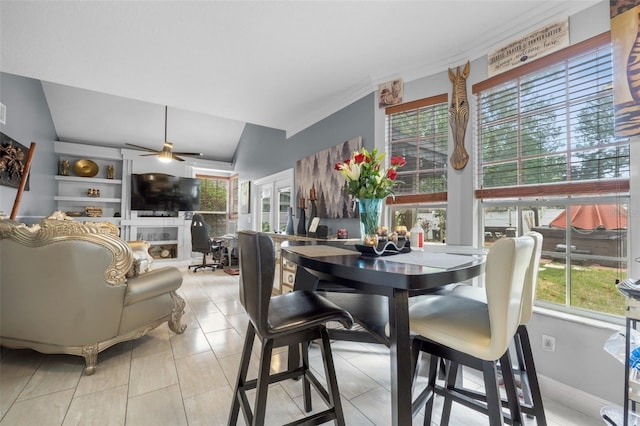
x: 366, y: 176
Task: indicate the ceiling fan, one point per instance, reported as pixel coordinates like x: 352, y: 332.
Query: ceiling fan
x: 166, y: 154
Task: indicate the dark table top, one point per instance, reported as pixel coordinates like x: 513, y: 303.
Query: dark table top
x: 417, y: 272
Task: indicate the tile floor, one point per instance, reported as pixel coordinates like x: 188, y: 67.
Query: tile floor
x: 169, y: 379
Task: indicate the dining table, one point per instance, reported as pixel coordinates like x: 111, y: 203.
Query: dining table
x: 399, y: 277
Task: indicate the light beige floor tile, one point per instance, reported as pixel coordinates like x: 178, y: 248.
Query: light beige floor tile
x: 352, y: 416
x: 350, y: 349
x: 280, y: 408
x: 153, y: 372
x: 351, y: 381
x: 209, y: 408
x: 160, y: 407
x: 188, y: 343
x: 189, y: 319
x: 213, y: 322
x: 156, y: 341
x: 225, y: 342
x: 56, y: 373
x: 204, y: 306
x: 10, y: 388
x: 230, y: 365
x: 375, y: 366
x: 113, y: 371
x: 375, y: 405
x: 20, y: 362
x: 107, y: 407
x: 193, y: 293
x: 239, y: 322
x: 564, y: 416
x: 43, y: 410
x: 199, y: 373
x: 230, y: 307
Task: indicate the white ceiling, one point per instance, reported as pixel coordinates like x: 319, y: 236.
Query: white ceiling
x: 109, y: 67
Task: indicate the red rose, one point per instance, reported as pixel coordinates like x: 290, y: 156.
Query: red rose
x: 398, y: 161
x: 391, y: 174
x: 359, y: 158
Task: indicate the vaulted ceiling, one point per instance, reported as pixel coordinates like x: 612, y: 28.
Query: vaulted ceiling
x: 108, y: 68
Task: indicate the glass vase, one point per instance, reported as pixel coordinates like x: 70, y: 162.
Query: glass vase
x: 370, y: 215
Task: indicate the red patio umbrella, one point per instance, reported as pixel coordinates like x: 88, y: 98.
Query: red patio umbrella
x: 593, y: 216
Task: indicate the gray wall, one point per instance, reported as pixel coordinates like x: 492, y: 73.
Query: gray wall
x: 29, y: 120
x: 264, y: 151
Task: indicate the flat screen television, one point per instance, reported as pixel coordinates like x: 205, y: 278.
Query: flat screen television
x: 159, y: 192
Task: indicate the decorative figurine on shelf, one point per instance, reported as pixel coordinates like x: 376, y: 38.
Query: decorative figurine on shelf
x: 64, y: 168
x: 314, y: 208
x: 110, y: 171
x: 302, y: 230
x: 290, y: 230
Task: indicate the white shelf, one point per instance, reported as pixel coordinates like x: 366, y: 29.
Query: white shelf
x: 92, y: 200
x: 115, y: 220
x: 87, y: 179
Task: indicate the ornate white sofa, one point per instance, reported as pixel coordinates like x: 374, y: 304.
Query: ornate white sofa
x: 74, y: 288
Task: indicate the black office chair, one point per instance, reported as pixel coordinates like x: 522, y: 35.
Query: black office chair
x: 294, y: 318
x: 202, y: 243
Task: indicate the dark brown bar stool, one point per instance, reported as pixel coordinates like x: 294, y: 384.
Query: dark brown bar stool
x: 294, y: 318
x: 476, y: 334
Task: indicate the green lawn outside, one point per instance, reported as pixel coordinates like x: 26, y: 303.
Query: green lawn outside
x: 592, y: 287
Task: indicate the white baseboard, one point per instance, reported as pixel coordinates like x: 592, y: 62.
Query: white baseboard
x: 573, y: 398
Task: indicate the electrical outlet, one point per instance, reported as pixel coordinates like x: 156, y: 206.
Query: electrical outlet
x: 548, y: 343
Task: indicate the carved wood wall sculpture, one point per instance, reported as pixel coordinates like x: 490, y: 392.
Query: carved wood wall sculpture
x: 459, y: 116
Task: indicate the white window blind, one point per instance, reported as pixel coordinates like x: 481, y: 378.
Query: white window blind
x: 550, y: 131
x: 419, y: 132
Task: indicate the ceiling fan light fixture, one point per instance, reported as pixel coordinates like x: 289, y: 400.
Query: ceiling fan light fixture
x: 165, y: 155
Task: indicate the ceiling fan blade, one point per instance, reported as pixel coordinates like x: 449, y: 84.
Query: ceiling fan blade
x: 148, y: 155
x: 193, y: 154
x: 141, y: 147
x: 175, y: 157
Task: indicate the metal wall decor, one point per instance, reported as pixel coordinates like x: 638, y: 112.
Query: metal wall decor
x: 13, y: 157
x: 459, y: 115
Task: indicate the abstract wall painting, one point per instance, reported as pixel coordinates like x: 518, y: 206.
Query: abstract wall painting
x: 317, y: 172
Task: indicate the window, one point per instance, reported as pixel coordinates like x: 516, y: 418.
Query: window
x: 548, y: 160
x: 265, y: 210
x: 214, y: 202
x: 233, y: 197
x: 274, y: 198
x: 284, y: 203
x: 419, y: 132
